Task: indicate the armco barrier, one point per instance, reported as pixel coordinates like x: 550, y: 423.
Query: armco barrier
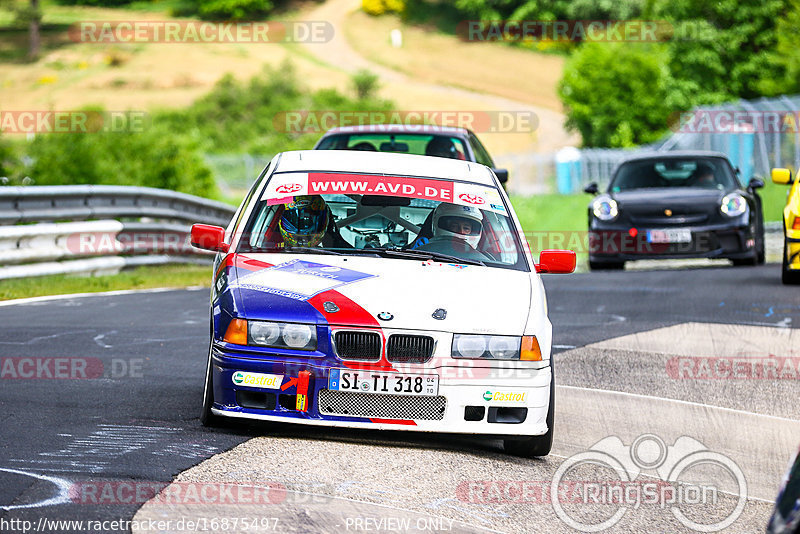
x: 98, y: 229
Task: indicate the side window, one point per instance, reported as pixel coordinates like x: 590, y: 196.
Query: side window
x: 481, y: 155
x: 237, y: 218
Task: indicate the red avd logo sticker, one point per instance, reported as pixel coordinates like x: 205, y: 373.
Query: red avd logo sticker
x: 471, y: 199
x: 288, y: 188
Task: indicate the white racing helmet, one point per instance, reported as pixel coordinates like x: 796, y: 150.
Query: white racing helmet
x: 460, y: 222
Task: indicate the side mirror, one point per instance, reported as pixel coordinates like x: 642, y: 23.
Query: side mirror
x: 556, y: 262
x: 502, y: 175
x: 591, y: 188
x: 209, y: 237
x: 781, y: 176
x: 755, y: 183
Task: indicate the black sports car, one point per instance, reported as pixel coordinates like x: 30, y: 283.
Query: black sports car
x: 681, y: 204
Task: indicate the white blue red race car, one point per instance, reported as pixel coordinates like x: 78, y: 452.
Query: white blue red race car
x: 371, y: 290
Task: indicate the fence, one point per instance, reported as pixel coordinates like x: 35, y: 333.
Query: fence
x: 764, y: 134
x: 98, y: 229
x: 756, y: 135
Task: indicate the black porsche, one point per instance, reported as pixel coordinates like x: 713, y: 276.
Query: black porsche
x: 681, y: 204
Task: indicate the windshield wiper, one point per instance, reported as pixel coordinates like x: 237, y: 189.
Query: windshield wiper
x: 312, y: 250
x: 427, y: 254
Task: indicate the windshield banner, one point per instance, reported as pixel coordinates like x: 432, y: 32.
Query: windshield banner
x: 283, y: 187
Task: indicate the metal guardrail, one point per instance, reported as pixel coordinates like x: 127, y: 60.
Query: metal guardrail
x: 129, y: 226
x: 81, y: 202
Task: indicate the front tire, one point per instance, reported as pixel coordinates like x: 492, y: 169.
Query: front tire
x: 788, y: 276
x: 207, y: 417
x: 536, y: 446
x: 606, y: 266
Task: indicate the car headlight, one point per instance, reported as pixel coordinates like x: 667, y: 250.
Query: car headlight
x: 496, y: 347
x: 272, y: 334
x: 733, y: 205
x: 605, y: 208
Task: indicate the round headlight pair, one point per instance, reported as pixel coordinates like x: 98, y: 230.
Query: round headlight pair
x: 733, y: 205
x: 605, y: 208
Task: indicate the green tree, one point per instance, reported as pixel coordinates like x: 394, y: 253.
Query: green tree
x: 8, y: 160
x: 782, y: 76
x: 721, y: 49
x: 617, y: 95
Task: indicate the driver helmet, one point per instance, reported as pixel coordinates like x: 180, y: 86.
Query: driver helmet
x: 304, y: 221
x: 441, y: 147
x: 461, y: 222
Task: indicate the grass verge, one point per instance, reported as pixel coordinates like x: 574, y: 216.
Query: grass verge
x: 554, y: 222
x: 139, y: 278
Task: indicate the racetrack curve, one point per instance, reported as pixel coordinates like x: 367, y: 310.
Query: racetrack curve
x: 629, y: 350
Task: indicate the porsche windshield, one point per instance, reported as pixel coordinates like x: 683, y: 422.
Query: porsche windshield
x: 704, y: 173
x: 403, y: 227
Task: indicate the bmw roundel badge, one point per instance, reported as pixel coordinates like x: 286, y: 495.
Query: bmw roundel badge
x: 385, y: 316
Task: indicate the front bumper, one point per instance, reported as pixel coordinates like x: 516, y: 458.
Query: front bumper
x: 615, y: 242
x: 517, y: 405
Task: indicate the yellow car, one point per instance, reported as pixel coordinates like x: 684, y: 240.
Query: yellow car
x: 791, y: 227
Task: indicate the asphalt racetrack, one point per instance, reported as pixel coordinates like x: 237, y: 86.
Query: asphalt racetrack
x: 684, y: 375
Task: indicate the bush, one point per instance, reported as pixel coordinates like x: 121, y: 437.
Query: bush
x: 153, y: 158
x: 365, y: 83
x: 234, y: 9
x: 8, y: 161
x: 617, y: 95
x: 245, y: 116
x: 98, y: 3
x: 225, y: 10
x: 379, y: 7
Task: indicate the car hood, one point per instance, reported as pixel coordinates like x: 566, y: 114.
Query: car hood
x: 392, y: 293
x: 673, y: 196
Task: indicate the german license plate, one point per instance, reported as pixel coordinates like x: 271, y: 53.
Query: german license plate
x: 672, y: 235
x: 385, y: 383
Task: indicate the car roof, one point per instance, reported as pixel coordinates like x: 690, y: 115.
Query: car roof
x: 354, y: 161
x: 425, y: 129
x: 675, y: 154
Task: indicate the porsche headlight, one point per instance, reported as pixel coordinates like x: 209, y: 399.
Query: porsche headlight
x: 282, y: 335
x: 733, y: 205
x: 605, y: 208
x: 495, y: 347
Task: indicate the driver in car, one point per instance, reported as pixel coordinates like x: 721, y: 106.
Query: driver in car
x: 456, y: 231
x: 307, y: 221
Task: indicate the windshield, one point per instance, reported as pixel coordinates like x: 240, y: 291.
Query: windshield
x: 442, y: 146
x: 419, y: 219
x: 702, y: 173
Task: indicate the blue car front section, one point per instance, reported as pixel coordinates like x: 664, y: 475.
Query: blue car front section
x: 227, y: 359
